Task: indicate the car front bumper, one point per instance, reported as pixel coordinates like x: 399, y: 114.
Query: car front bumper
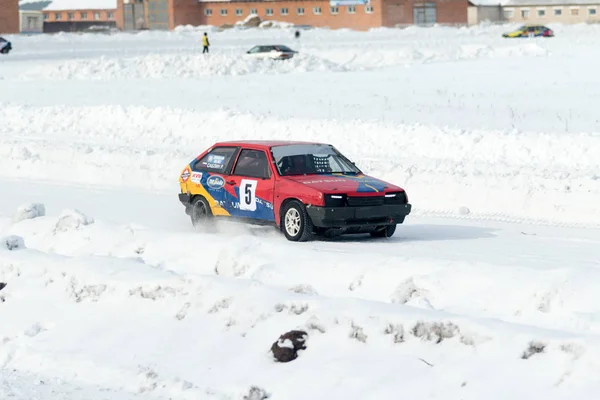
x: 339, y: 217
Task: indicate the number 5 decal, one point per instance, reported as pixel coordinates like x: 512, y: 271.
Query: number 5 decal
x: 247, y: 195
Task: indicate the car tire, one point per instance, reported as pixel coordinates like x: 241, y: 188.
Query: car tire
x: 200, y: 212
x: 387, y: 231
x: 296, y: 223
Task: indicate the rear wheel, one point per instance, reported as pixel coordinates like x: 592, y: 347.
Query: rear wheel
x: 387, y: 231
x: 200, y: 212
x: 296, y: 223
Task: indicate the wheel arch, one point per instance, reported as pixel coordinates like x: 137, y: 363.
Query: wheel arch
x: 282, y: 206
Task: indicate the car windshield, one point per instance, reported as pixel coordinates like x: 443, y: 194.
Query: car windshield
x: 304, y: 159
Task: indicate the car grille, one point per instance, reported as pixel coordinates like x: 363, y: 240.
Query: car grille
x: 365, y: 201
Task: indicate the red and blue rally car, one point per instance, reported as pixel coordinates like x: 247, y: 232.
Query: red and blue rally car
x: 303, y: 188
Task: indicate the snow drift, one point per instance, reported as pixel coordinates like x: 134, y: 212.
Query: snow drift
x: 545, y: 177
x: 227, y: 298
x: 164, y: 66
x: 175, y: 66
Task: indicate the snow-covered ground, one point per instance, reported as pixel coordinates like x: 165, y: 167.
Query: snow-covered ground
x: 489, y: 289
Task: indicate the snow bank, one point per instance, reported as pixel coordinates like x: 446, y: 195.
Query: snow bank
x: 174, y: 66
x: 75, y: 299
x: 167, y: 66
x: 275, y: 24
x: 376, y: 58
x: 546, y: 177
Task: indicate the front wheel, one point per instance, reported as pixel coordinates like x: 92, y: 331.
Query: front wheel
x: 387, y: 231
x: 296, y: 223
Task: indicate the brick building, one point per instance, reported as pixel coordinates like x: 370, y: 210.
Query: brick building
x: 60, y: 16
x: 9, y: 16
x: 353, y: 14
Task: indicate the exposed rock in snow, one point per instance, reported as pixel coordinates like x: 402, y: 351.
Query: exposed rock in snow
x: 29, y: 211
x: 286, y: 348
x: 72, y: 219
x: 12, y: 242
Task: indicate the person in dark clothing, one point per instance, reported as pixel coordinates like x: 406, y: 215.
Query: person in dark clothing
x: 205, y: 43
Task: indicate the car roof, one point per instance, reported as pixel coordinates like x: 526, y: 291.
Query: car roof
x: 272, y: 45
x: 265, y: 144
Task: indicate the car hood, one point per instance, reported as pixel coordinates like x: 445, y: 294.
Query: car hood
x: 345, y: 183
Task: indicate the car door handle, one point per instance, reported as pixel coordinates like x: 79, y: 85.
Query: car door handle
x: 230, y: 182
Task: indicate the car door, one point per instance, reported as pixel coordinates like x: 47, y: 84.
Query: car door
x: 252, y: 184
x: 208, y: 177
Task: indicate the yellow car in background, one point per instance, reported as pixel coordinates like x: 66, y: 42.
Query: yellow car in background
x: 530, y: 31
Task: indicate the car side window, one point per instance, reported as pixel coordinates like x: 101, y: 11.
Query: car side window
x: 217, y: 160
x: 252, y: 163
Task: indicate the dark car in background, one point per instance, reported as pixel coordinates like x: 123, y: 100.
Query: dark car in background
x: 5, y: 46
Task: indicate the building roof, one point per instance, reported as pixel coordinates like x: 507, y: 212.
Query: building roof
x: 62, y: 5
x: 33, y: 5
x: 484, y: 3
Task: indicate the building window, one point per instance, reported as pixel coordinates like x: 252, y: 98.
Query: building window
x: 71, y: 16
x: 284, y: 11
x: 96, y: 16
x: 425, y: 14
x: 57, y: 16
x: 238, y: 11
x: 317, y: 10
x: 369, y: 9
x: 46, y: 17
x: 83, y: 15
x: 110, y: 15
x: 541, y: 13
x: 208, y: 12
x: 508, y: 13
x: 223, y: 12
x: 351, y: 9
x: 524, y: 13
x: 300, y: 11
x: 334, y: 10
x: 591, y: 11
x: 269, y: 11
x: 557, y: 11
x: 254, y: 11
x: 574, y: 11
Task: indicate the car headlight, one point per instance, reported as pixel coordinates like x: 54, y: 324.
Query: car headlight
x: 396, y: 198
x: 335, y: 200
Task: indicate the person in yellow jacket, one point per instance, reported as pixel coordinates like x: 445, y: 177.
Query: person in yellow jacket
x: 205, y: 43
